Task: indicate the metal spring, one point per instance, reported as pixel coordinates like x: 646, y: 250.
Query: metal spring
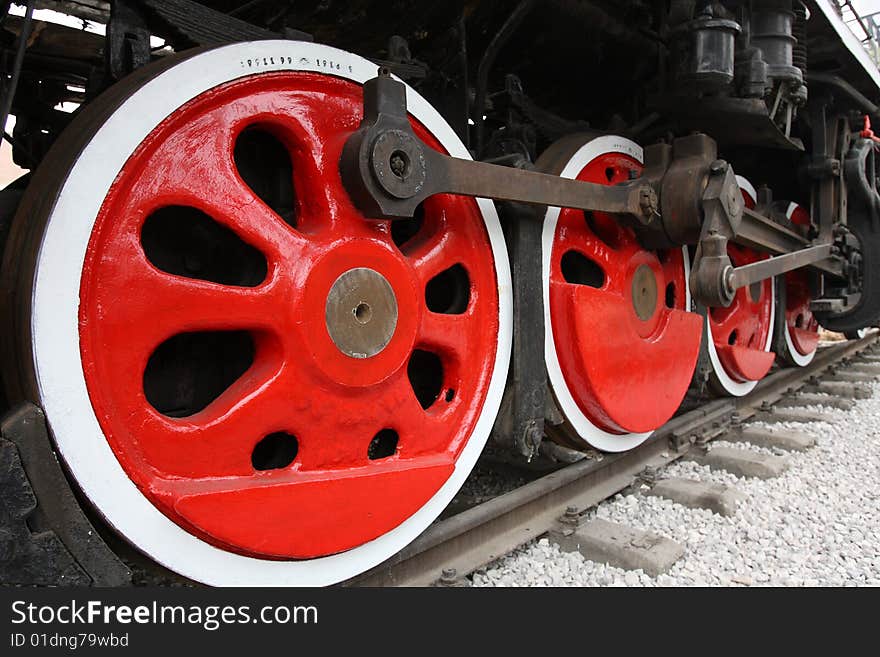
x: 799, y: 32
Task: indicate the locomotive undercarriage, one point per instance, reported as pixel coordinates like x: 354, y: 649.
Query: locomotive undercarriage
x: 289, y: 251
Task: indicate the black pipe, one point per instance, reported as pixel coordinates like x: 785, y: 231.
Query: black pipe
x: 488, y: 60
x: 16, y: 67
x: 844, y: 87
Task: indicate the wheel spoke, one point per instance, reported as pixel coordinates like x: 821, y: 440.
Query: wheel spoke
x: 726, y: 319
x: 448, y: 333
x: 610, y: 232
x: 313, y: 126
x: 330, y: 438
x: 431, y: 256
x: 195, y: 167
x: 225, y: 198
x: 220, y: 439
x: 243, y: 212
x: 421, y: 430
x: 578, y: 237
x: 672, y: 267
x: 150, y: 306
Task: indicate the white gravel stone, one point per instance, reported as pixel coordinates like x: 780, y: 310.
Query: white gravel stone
x: 818, y: 524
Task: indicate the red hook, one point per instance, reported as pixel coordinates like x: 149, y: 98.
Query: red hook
x: 867, y: 133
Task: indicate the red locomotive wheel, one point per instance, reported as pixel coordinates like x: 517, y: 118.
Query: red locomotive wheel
x: 620, y: 343
x: 281, y: 377
x: 740, y: 336
x: 800, y: 329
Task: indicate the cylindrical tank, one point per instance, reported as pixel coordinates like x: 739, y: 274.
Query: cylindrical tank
x: 771, y: 31
x: 708, y: 64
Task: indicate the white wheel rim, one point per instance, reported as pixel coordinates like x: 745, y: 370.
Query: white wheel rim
x: 746, y: 185
x: 797, y: 357
x: 54, y: 324
x: 592, y: 434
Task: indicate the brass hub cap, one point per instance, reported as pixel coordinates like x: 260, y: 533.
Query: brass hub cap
x: 361, y: 312
x: 644, y: 292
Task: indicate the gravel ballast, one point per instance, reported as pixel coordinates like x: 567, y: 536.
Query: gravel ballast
x: 818, y: 524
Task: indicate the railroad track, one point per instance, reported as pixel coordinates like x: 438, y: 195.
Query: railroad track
x: 458, y: 545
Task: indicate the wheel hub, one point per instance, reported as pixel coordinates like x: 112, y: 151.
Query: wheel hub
x: 644, y: 292
x: 361, y: 312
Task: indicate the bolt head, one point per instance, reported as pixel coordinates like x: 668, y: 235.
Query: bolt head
x: 398, y: 163
x: 718, y: 167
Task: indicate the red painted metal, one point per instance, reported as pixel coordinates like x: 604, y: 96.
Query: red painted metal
x: 798, y: 215
x: 197, y: 470
x: 741, y: 331
x: 803, y: 328
x: 867, y: 132
x: 626, y: 374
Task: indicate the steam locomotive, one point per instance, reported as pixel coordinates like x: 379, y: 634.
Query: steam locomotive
x: 279, y: 273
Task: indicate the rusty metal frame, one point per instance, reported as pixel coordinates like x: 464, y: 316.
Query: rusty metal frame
x: 388, y: 171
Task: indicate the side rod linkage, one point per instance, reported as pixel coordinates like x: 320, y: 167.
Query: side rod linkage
x: 388, y: 170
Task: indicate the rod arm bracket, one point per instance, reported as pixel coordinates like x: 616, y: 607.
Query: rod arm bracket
x: 388, y: 171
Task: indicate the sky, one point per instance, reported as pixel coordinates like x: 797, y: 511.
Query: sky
x: 866, y: 6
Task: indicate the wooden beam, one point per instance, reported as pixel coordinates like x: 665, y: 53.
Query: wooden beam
x: 90, y: 10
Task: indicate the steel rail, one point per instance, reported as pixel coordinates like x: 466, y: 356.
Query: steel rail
x: 477, y: 536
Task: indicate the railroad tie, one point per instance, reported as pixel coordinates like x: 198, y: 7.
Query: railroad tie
x: 792, y: 441
x: 840, y: 389
x: 718, y: 498
x: 620, y: 546
x: 812, y: 399
x: 741, y: 462
x: 791, y: 415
